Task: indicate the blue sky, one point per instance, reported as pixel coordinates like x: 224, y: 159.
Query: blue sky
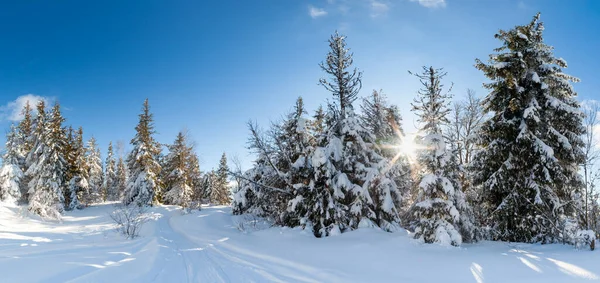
x: 210, y: 66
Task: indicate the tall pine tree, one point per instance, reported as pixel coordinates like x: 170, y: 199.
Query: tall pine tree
x: 79, y: 189
x: 143, y: 184
x: 25, y: 133
x: 220, y: 186
x: 110, y: 175
x: 11, y: 175
x: 178, y: 189
x: 94, y: 166
x: 531, y: 145
x: 121, y: 178
x: 384, y: 122
x: 345, y: 168
x: 440, y: 200
x: 48, y: 167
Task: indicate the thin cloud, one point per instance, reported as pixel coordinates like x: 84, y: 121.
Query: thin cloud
x: 315, y: 12
x: 431, y: 3
x: 12, y: 111
x: 378, y: 8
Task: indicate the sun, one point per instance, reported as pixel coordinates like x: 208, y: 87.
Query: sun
x: 408, y: 147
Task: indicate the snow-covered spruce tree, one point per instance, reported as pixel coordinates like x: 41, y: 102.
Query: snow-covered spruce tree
x: 78, y: 187
x: 531, y: 145
x: 48, y: 164
x: 318, y: 122
x: 11, y: 175
x: 258, y: 184
x: 440, y: 201
x: 121, y: 178
x: 293, y: 142
x: 69, y: 154
x: 345, y: 167
x: 110, y: 175
x: 207, y: 183
x: 178, y: 190
x: 94, y: 166
x: 144, y: 169
x: 220, y: 193
x: 375, y: 114
x: 193, y: 171
x: 384, y: 122
x: 25, y: 133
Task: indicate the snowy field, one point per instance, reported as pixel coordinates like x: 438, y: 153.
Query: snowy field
x: 208, y: 246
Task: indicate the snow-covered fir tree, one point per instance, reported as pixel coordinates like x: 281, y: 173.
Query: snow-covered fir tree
x: 193, y: 170
x: 207, y: 184
x: 178, y: 189
x: 79, y: 189
x: 384, y: 122
x: 318, y: 122
x: 220, y: 193
x: 110, y: 175
x: 294, y: 142
x: 25, y: 133
x: 48, y: 165
x: 121, y: 178
x: 11, y: 175
x: 531, y: 145
x: 282, y: 161
x: 440, y: 200
x: 95, y: 173
x: 345, y: 83
x: 144, y: 169
x: 259, y: 183
x: 344, y: 167
x: 69, y: 154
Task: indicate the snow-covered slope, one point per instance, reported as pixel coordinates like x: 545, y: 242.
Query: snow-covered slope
x: 208, y: 246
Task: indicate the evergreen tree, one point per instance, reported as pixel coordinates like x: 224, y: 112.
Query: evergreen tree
x: 94, y: 167
x: 79, y: 189
x: 193, y: 170
x: 178, y: 189
x: 143, y: 185
x: 25, y: 133
x: 110, y: 175
x: 69, y: 154
x: 48, y: 164
x: 440, y: 200
x: 531, y: 145
x: 262, y: 181
x: 121, y: 179
x: 344, y: 167
x: 318, y: 122
x: 207, y: 185
x: 11, y: 175
x: 384, y: 122
x: 344, y: 83
x: 294, y: 142
x: 375, y: 117
x: 220, y: 186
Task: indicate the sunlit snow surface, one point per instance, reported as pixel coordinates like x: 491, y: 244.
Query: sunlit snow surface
x: 208, y: 246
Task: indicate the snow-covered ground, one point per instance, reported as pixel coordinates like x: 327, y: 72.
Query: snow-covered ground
x: 208, y: 246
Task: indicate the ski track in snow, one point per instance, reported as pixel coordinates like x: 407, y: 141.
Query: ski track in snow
x: 206, y: 246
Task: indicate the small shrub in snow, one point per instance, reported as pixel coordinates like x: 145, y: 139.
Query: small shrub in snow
x: 129, y: 219
x: 250, y: 222
x: 585, y: 238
